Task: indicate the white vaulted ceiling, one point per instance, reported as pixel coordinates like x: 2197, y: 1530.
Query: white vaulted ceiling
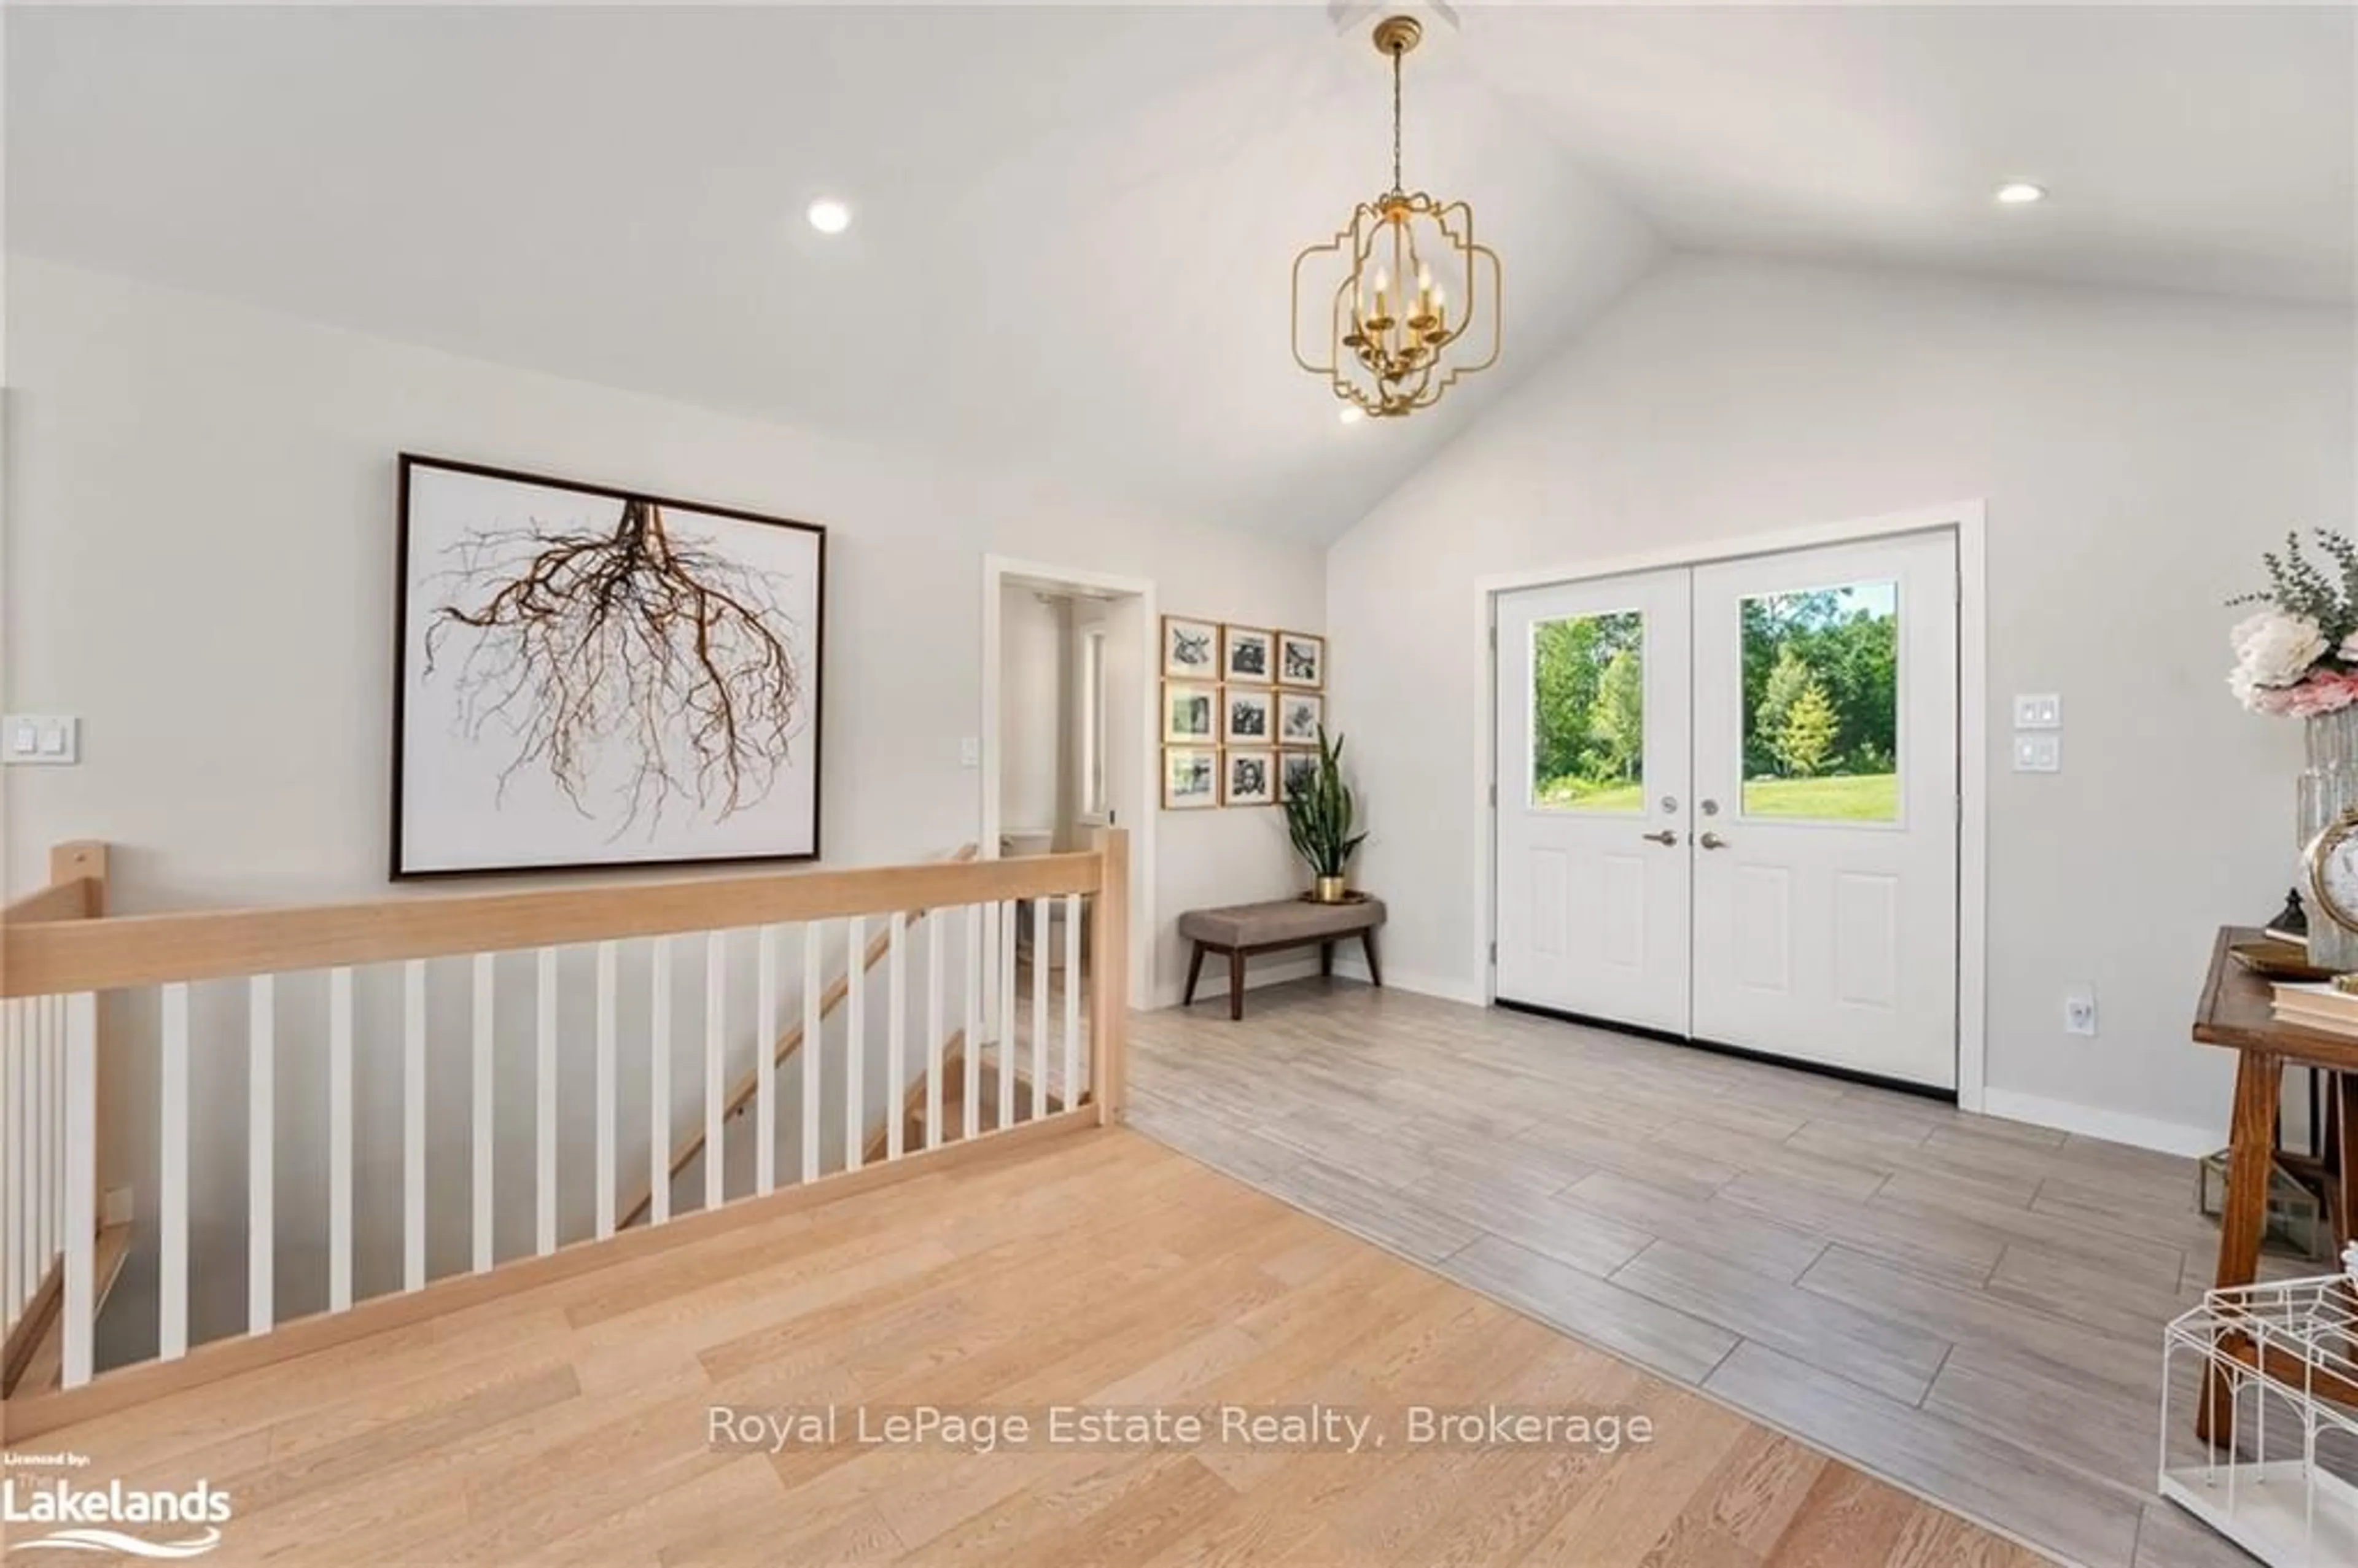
x: 1073, y: 225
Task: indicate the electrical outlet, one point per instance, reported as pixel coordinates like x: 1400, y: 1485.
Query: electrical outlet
x: 2079, y: 1011
x: 114, y: 1206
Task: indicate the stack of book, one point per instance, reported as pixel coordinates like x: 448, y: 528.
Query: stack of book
x: 2320, y: 1007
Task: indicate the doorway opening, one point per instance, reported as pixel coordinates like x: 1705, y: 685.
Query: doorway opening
x: 1068, y: 664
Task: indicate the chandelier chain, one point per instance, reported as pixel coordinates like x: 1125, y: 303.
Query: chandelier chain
x: 1397, y: 187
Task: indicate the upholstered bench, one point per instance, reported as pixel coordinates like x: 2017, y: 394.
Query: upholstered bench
x: 1243, y: 929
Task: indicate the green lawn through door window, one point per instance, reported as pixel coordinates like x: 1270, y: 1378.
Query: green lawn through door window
x: 1821, y: 704
x: 1589, y: 712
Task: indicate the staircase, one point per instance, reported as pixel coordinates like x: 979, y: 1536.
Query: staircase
x: 492, y: 1013
x: 990, y: 1115
x: 40, y: 1197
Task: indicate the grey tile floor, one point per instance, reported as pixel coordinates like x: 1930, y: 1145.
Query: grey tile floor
x: 1970, y: 1307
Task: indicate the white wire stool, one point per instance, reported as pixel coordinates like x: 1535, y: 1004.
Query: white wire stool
x: 2285, y: 1486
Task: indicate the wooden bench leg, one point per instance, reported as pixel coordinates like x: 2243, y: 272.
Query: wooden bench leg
x: 1236, y: 984
x: 1195, y: 968
x: 1367, y: 941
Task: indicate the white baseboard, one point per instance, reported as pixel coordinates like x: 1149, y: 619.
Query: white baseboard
x: 2096, y: 1122
x: 1410, y: 980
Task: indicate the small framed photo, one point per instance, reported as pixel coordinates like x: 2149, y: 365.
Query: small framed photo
x: 1190, y: 649
x: 1190, y: 713
x: 1248, y: 655
x: 1249, y: 716
x: 1296, y: 772
x: 1300, y: 659
x: 1299, y: 715
x: 1191, y: 777
x: 1249, y: 777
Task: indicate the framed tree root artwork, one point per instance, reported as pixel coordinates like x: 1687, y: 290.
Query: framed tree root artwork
x: 590, y: 677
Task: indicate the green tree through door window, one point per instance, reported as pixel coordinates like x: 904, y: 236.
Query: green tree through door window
x: 1821, y: 704
x: 1589, y: 712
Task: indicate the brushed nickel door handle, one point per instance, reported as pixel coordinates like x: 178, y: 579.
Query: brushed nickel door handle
x: 1712, y: 841
x: 1665, y: 837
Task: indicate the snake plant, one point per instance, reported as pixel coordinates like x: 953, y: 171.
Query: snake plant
x: 1320, y: 816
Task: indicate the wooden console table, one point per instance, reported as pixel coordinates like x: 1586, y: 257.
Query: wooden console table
x: 2236, y: 1011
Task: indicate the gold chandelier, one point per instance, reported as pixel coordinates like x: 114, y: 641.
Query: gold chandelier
x: 1395, y: 334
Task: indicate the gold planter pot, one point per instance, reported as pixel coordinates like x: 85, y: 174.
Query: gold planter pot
x: 1332, y: 890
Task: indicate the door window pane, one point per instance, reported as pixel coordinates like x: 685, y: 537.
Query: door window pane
x: 1821, y: 704
x: 1588, y: 713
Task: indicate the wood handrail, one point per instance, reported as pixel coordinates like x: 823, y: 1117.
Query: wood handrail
x: 50, y: 958
x: 787, y: 1044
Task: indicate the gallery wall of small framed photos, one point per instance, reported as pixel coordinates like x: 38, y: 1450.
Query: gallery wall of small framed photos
x: 1241, y: 708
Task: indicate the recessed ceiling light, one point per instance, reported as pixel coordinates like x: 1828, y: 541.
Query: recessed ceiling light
x: 1350, y: 413
x: 829, y: 216
x: 2020, y: 193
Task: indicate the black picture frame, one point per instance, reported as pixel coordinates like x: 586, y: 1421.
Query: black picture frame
x: 398, y: 869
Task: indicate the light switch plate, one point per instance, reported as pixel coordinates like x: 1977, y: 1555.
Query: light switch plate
x: 40, y: 740
x: 971, y: 751
x: 2038, y: 710
x: 2039, y: 754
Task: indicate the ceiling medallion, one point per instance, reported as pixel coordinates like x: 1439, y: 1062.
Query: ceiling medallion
x: 1411, y: 281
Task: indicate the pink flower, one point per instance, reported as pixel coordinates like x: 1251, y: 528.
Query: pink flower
x: 2326, y: 691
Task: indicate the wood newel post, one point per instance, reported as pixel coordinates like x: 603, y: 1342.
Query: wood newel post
x: 1109, y: 978
x: 83, y: 860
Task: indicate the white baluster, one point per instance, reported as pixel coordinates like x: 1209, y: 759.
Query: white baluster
x: 412, y: 1124
x: 171, y: 1182
x: 766, y: 1062
x: 813, y: 933
x: 659, y: 1090
x: 260, y: 1142
x: 1038, y: 1007
x: 934, y: 1027
x: 715, y: 1064
x: 1072, y: 1000
x: 53, y: 1101
x: 340, y: 1139
x: 12, y: 1184
x: 896, y: 1048
x: 606, y: 963
x: 544, y: 1115
x: 1007, y: 1014
x: 82, y: 1191
x: 484, y: 1018
x: 855, y: 1067
x: 41, y: 1191
x: 971, y: 1069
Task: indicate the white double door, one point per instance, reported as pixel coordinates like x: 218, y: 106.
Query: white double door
x: 1727, y: 804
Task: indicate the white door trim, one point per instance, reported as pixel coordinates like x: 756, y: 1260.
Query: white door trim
x: 996, y: 570
x: 1970, y: 521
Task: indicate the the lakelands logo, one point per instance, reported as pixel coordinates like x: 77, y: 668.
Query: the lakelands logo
x: 86, y: 1518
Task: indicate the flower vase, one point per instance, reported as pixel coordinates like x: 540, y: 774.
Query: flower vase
x: 2329, y: 786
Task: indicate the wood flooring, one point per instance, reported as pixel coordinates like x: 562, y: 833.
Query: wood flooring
x: 570, y: 1424
x: 1970, y: 1306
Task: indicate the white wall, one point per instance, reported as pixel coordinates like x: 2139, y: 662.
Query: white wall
x: 1030, y: 711
x: 2136, y: 450
x: 202, y: 554
x: 201, y: 526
